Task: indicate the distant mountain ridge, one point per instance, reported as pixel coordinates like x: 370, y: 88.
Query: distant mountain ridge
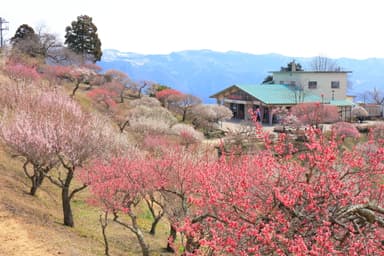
x: 205, y: 72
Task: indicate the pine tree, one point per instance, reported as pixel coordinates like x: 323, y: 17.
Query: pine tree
x: 82, y: 38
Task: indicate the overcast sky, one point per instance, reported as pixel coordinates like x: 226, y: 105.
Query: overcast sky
x: 297, y: 28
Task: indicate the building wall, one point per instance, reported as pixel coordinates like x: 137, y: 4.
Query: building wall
x: 323, y: 80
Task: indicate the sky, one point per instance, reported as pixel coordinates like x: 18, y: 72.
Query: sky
x: 295, y: 28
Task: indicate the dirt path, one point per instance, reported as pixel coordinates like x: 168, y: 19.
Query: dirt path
x: 15, y: 239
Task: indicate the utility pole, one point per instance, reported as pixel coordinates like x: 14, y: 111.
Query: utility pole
x: 3, y: 27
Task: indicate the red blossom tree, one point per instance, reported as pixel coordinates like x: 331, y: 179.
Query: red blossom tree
x: 321, y: 200
x: 119, y: 185
x: 163, y: 95
x: 55, y: 73
x: 318, y: 202
x: 103, y: 95
x: 21, y: 73
x: 170, y: 174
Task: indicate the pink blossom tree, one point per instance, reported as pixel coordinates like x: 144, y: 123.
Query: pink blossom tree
x: 209, y: 116
x: 344, y: 129
x: 119, y: 80
x: 315, y: 113
x: 27, y: 127
x: 182, y: 104
x: 138, y: 87
x: 378, y: 132
x: 359, y: 113
x: 74, y: 74
x: 81, y: 137
x: 47, y: 128
x: 187, y: 134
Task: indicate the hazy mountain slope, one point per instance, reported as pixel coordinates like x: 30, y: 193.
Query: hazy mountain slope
x: 205, y: 72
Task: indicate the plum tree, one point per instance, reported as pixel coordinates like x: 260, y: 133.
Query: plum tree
x: 315, y: 113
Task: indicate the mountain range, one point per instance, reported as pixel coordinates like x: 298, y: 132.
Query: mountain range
x: 205, y: 72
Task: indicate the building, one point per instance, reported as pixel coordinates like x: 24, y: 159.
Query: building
x: 288, y: 88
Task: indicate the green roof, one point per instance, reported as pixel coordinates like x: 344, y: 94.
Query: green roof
x: 341, y: 103
x: 276, y: 94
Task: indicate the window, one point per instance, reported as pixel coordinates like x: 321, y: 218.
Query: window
x: 335, y: 84
x: 312, y: 84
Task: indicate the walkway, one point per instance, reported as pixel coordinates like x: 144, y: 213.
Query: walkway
x: 235, y: 125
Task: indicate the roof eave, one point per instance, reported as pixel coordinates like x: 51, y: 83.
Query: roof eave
x: 222, y: 91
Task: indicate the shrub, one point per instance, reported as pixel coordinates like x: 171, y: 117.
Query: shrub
x: 154, y: 120
x: 187, y: 133
x: 378, y: 132
x: 145, y: 101
x: 209, y: 116
x: 359, y: 112
x: 344, y: 129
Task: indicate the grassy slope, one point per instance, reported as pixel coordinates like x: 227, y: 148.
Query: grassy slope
x: 37, y: 220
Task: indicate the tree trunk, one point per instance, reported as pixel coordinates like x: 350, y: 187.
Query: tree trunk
x: 67, y: 211
x: 154, y: 224
x: 143, y: 245
x: 75, y: 89
x: 104, y: 224
x: 122, y: 97
x: 37, y: 180
x: 122, y: 126
x: 140, y: 237
x: 66, y: 199
x: 184, y: 115
x: 191, y: 245
x: 171, y: 239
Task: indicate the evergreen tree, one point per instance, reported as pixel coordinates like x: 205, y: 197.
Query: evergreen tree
x: 81, y: 37
x: 22, y: 33
x: 268, y: 80
x: 292, y: 66
x: 26, y: 40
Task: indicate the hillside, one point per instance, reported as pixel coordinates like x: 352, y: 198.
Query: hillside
x: 33, y: 225
x: 205, y: 72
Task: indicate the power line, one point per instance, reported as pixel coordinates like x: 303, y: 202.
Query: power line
x: 3, y: 27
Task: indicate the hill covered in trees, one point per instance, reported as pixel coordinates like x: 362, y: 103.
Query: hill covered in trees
x: 206, y: 72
